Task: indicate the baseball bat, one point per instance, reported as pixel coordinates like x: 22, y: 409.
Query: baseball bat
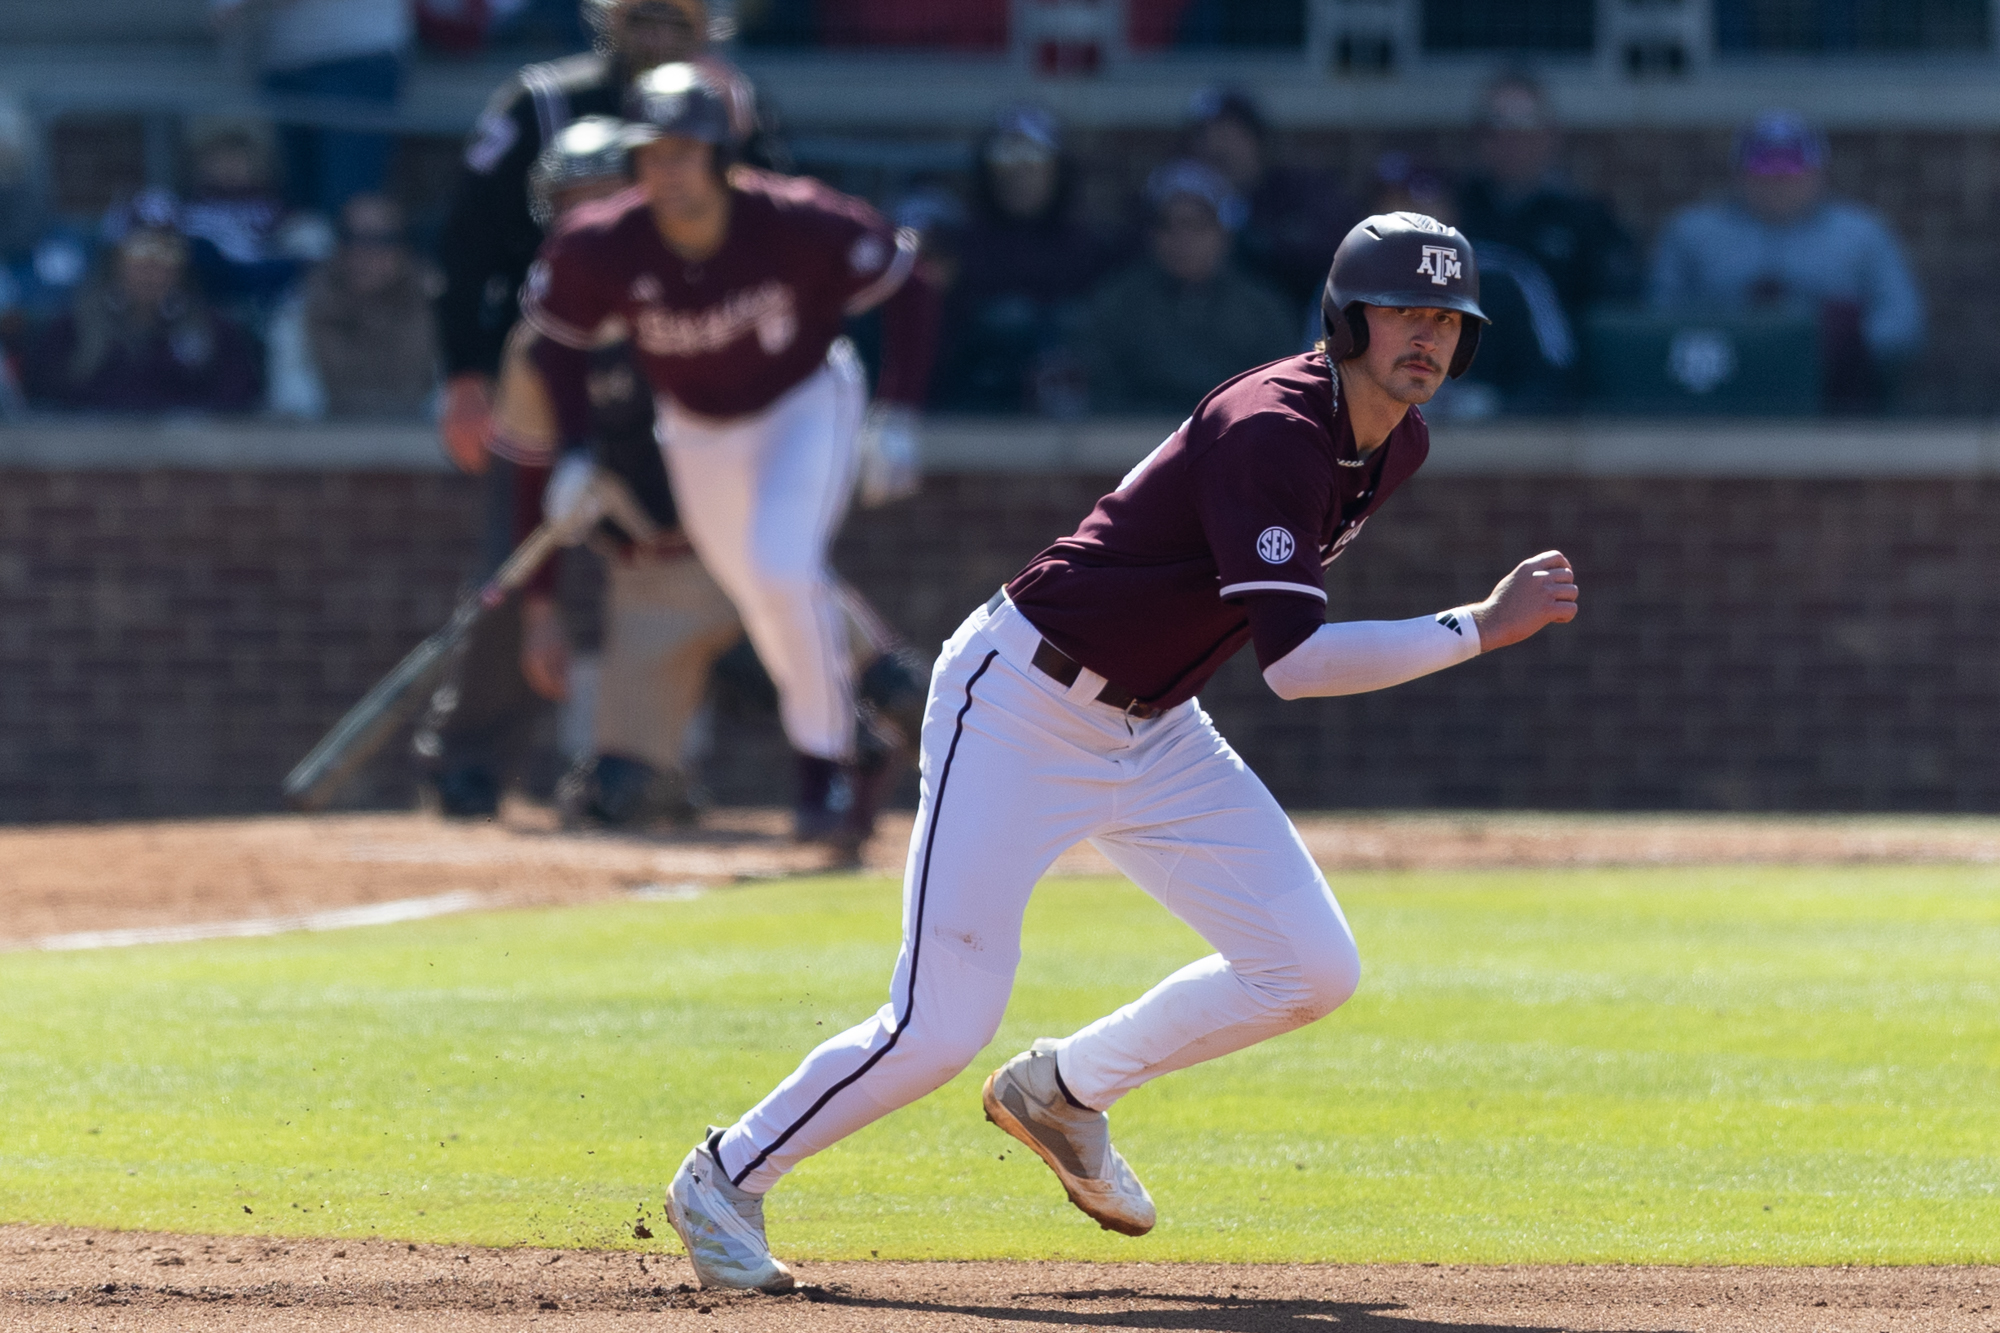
x: 370, y: 723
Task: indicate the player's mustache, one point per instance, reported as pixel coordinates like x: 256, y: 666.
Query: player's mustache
x: 1419, y: 359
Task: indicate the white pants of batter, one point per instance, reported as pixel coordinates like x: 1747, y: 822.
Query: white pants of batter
x: 761, y: 497
x: 1015, y: 770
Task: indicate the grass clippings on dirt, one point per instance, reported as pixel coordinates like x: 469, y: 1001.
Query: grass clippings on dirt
x: 1739, y: 1065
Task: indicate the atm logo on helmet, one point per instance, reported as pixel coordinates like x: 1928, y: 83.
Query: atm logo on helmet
x: 1441, y: 264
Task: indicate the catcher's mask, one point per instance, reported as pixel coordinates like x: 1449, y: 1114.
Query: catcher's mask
x: 602, y: 16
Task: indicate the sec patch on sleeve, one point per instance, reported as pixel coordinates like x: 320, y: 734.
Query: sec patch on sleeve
x: 1275, y: 545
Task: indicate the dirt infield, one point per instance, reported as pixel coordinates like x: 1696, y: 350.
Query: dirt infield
x: 70, y: 878
x: 59, y: 1280
x: 280, y: 870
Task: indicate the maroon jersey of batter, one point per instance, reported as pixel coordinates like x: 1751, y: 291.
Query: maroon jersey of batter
x: 729, y: 335
x: 1242, y: 508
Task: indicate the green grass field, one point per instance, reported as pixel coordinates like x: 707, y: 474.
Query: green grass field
x: 1795, y: 1065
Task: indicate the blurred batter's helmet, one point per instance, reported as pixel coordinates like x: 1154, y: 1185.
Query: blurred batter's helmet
x: 589, y: 149
x: 1404, y: 260
x: 681, y: 98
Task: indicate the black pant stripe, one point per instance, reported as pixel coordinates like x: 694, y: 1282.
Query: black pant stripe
x: 916, y: 943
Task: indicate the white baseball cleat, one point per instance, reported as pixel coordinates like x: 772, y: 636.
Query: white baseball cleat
x: 722, y: 1228
x: 1025, y: 1097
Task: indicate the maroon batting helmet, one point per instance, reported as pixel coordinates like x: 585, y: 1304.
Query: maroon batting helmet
x: 1402, y: 260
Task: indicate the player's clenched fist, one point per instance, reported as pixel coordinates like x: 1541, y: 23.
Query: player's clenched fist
x: 1541, y: 591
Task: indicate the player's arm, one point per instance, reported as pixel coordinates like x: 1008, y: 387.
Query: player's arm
x: 1892, y: 304
x: 911, y: 315
x: 564, y: 305
x: 486, y: 232
x: 570, y: 302
x: 1674, y: 280
x: 889, y: 462
x: 875, y: 265
x: 1302, y: 658
x: 544, y: 640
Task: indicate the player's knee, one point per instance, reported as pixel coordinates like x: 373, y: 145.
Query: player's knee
x: 1330, y: 975
x: 1321, y: 976
x: 936, y: 1057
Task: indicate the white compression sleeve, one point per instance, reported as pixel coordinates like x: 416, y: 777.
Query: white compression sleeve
x: 1355, y: 656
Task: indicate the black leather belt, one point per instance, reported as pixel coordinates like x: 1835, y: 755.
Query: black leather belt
x: 1060, y: 667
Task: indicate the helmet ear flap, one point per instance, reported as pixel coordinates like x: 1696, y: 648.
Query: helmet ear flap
x: 1468, y: 346
x: 1346, y: 332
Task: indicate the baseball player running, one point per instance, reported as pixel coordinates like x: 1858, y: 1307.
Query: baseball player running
x: 665, y: 620
x: 734, y: 284
x: 482, y: 723
x: 1064, y: 709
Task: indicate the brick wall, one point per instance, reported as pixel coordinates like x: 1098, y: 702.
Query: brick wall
x: 172, y: 641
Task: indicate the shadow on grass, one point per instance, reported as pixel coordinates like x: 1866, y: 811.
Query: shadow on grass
x: 1182, y: 1313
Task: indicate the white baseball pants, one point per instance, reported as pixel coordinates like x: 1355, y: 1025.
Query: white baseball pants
x: 760, y: 498
x: 1015, y: 769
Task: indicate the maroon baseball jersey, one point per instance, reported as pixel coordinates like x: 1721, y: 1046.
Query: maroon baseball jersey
x: 729, y: 335
x: 1249, y: 500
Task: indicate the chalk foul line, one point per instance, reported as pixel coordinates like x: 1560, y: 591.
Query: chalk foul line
x: 339, y: 918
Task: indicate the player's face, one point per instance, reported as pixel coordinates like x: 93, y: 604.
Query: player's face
x: 1779, y: 199
x: 1409, y: 348
x: 1189, y: 241
x: 573, y: 197
x: 678, y: 175
x: 656, y: 32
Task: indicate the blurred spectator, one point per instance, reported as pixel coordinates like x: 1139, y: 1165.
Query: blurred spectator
x: 549, y: 24
x: 343, y: 55
x: 1173, y: 326
x: 1296, y: 218
x: 359, y: 340
x: 233, y: 216
x: 1024, y: 268
x: 458, y: 27
x: 142, y: 339
x: 1520, y: 199
x: 20, y: 144
x: 44, y: 281
x: 39, y: 268
x: 1782, y: 243
x: 1528, y: 359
